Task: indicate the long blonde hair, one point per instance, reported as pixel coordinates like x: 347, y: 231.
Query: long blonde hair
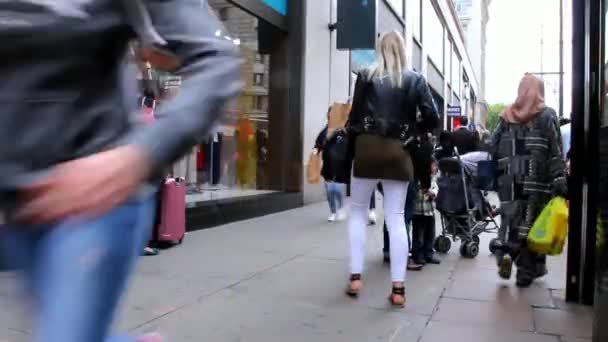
x: 390, y: 58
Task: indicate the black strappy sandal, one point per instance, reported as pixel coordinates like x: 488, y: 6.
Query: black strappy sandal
x: 397, y: 291
x: 353, y: 293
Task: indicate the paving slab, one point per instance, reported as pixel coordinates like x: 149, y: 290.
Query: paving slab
x: 499, y: 291
x: 233, y: 316
x: 9, y: 335
x: 442, y: 332
x: 508, y: 315
x: 563, y: 323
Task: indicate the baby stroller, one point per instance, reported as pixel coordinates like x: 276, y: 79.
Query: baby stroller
x: 465, y: 212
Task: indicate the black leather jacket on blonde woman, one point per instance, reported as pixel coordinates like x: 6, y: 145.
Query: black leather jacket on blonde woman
x: 384, y: 118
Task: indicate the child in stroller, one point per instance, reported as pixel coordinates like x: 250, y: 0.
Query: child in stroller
x: 461, y: 201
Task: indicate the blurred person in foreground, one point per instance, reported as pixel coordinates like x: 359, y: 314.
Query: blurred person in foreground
x: 531, y: 170
x: 383, y: 122
x: 75, y: 175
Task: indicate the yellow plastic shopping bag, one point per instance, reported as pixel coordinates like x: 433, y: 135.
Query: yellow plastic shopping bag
x: 548, y: 234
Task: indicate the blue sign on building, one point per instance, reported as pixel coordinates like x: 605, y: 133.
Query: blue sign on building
x: 454, y: 110
x: 278, y: 5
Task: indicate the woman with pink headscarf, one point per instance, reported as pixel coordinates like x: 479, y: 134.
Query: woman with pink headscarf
x: 527, y: 147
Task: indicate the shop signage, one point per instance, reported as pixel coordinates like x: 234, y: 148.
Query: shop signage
x: 278, y: 5
x: 454, y: 110
x: 356, y: 24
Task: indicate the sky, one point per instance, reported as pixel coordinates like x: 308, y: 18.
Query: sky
x: 513, y: 48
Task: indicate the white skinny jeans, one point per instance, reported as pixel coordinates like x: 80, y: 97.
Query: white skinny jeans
x: 395, y: 193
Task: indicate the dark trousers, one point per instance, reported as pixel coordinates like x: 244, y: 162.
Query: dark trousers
x: 423, y: 236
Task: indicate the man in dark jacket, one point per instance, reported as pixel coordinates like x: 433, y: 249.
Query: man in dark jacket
x: 75, y: 173
x: 464, y: 139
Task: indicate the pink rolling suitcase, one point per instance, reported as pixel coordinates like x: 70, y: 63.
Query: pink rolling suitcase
x: 172, y: 226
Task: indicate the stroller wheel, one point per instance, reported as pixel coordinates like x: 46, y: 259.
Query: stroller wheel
x: 469, y: 249
x: 494, y: 245
x: 443, y: 244
x: 476, y: 239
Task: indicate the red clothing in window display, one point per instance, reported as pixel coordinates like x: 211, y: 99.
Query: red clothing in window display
x: 200, y: 158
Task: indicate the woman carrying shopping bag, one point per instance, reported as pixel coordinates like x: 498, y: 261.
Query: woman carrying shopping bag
x: 334, y: 153
x: 531, y: 171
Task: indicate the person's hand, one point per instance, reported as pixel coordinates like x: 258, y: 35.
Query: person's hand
x: 91, y: 185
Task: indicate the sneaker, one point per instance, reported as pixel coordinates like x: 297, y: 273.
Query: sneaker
x: 412, y: 265
x: 505, y: 267
x: 341, y: 215
x: 332, y: 218
x: 372, y: 219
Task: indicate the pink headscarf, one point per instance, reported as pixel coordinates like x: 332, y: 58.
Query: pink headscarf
x: 529, y: 103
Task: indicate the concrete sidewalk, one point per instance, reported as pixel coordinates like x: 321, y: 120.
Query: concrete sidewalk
x: 281, y: 278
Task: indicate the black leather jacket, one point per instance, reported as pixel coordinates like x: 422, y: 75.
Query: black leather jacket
x: 389, y: 108
x: 403, y: 113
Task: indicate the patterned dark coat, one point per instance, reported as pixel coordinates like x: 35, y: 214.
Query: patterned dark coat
x: 531, y: 171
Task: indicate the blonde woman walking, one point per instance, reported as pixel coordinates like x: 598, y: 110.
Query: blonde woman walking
x: 384, y: 124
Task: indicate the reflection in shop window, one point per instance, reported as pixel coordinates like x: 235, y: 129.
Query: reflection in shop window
x: 259, y: 103
x: 234, y: 160
x: 258, y: 79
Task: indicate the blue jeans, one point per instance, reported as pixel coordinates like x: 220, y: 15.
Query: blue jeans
x: 334, y: 196
x: 77, y: 269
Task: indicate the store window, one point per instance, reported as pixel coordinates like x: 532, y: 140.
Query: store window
x: 416, y: 9
x: 397, y: 5
x: 448, y: 61
x: 233, y: 162
x: 456, y: 67
x: 433, y: 34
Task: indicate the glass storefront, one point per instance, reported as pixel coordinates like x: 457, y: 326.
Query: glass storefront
x: 456, y: 72
x: 433, y: 35
x: 234, y: 160
x: 416, y: 14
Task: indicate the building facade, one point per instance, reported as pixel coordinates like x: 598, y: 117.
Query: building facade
x: 474, y: 17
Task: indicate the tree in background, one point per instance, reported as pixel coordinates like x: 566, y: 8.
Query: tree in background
x: 494, y: 112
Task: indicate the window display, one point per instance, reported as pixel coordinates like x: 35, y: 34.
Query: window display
x: 234, y: 160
